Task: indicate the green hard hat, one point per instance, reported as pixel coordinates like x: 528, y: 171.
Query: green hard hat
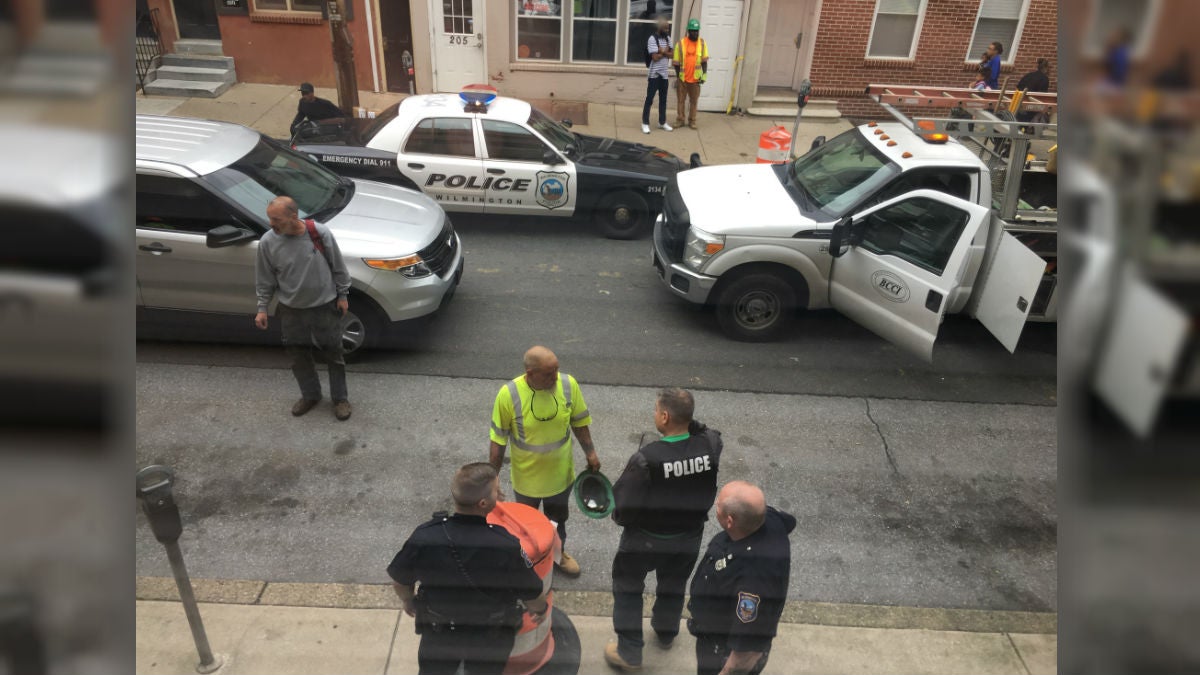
x: 693, y: 24
x: 593, y: 494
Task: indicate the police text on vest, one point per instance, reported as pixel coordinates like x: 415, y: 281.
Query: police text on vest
x: 686, y: 467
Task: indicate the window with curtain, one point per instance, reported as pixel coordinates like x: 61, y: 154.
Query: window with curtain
x: 594, y: 31
x: 641, y: 25
x: 894, y: 34
x: 998, y: 21
x: 539, y: 29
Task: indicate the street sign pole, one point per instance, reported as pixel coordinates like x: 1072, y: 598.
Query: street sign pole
x: 343, y: 56
x: 158, y: 503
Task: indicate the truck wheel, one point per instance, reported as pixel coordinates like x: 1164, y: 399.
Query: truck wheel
x: 756, y: 308
x: 622, y: 215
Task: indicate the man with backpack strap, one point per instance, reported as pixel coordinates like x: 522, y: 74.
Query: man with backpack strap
x: 691, y: 70
x: 300, y: 265
x: 658, y: 59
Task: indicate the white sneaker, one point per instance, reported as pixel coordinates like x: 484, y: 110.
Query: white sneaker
x: 666, y: 127
x: 645, y: 128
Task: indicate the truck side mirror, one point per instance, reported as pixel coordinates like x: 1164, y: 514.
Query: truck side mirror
x: 839, y: 238
x: 694, y: 160
x: 227, y: 235
x: 817, y: 142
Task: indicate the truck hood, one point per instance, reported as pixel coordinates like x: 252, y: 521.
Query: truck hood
x: 386, y: 220
x: 610, y: 153
x: 739, y: 199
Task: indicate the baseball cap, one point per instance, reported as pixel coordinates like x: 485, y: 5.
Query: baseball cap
x: 306, y: 88
x: 693, y: 24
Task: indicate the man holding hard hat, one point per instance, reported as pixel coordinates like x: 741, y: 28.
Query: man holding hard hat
x: 691, y: 70
x: 536, y: 413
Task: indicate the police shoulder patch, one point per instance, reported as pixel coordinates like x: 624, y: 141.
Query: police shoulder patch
x: 525, y: 557
x: 747, y: 607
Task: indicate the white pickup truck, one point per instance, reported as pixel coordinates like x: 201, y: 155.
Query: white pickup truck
x: 890, y: 226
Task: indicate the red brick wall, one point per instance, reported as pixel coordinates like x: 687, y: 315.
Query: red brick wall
x: 290, y: 53
x: 841, y: 70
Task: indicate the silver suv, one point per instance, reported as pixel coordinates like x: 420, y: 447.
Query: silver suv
x: 202, y: 194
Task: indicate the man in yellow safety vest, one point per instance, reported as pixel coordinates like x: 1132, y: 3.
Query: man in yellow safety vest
x: 691, y: 70
x: 537, y: 412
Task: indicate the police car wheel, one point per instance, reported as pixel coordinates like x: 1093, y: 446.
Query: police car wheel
x: 622, y: 215
x: 756, y: 308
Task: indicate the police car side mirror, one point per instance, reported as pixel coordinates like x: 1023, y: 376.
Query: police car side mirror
x: 551, y: 157
x: 227, y: 235
x: 839, y: 238
x: 566, y: 122
x: 570, y: 150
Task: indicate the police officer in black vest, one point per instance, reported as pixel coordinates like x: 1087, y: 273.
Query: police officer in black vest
x: 662, y: 501
x: 472, y: 579
x: 741, y: 584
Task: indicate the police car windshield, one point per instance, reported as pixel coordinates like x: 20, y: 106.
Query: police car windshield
x: 381, y: 120
x: 837, y: 175
x: 271, y: 169
x: 551, y: 130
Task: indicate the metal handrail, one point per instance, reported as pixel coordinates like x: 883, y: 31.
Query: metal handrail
x: 148, y: 45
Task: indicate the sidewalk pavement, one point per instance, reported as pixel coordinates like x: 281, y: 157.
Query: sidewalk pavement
x: 720, y: 139
x: 264, y: 627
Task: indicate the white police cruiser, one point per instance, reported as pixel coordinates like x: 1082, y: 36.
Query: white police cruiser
x: 477, y: 152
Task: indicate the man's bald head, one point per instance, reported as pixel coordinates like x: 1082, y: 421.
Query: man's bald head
x: 741, y: 508
x: 282, y: 212
x: 541, y: 368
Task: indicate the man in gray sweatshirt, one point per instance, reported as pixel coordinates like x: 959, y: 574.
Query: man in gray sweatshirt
x: 312, y: 285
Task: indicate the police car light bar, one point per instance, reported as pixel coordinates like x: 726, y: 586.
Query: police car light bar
x: 477, y: 97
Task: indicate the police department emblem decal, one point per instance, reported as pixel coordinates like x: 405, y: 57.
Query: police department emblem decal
x: 553, y: 188
x: 747, y: 607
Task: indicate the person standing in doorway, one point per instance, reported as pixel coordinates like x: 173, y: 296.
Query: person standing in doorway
x: 299, y: 264
x: 691, y: 70
x: 658, y: 58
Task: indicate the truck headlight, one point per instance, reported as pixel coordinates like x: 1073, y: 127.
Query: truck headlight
x: 410, y: 266
x: 700, y: 247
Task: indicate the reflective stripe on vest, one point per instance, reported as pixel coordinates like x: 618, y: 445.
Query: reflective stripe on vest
x: 518, y: 438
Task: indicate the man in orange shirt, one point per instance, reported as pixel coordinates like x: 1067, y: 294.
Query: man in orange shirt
x: 691, y: 70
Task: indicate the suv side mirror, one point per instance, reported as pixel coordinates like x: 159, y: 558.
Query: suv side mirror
x: 566, y: 122
x: 817, y: 142
x: 228, y: 235
x: 840, y: 238
x: 551, y: 157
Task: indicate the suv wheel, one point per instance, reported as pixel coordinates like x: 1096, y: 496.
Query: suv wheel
x: 756, y: 308
x: 362, y: 327
x: 622, y: 215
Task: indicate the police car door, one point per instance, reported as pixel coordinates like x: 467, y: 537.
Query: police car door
x: 442, y: 158
x: 897, y: 263
x: 525, y: 176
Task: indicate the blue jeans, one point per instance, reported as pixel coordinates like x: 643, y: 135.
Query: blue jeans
x: 655, y: 85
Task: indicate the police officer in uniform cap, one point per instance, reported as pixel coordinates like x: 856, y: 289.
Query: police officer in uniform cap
x: 662, y: 501
x: 470, y: 578
x: 741, y: 584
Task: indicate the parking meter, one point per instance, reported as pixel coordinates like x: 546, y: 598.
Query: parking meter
x: 801, y: 100
x: 154, y: 489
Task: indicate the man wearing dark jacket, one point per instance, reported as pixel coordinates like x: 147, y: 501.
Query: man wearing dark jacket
x: 313, y: 108
x: 741, y: 584
x: 662, y: 501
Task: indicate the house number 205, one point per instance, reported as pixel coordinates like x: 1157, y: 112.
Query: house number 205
x: 459, y: 39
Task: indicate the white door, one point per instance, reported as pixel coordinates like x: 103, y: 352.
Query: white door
x: 906, y: 258
x: 783, y: 44
x: 519, y: 179
x: 459, y: 56
x: 1007, y: 287
x: 720, y: 23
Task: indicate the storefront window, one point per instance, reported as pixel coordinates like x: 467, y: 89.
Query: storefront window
x: 595, y: 31
x: 539, y: 29
x: 642, y: 15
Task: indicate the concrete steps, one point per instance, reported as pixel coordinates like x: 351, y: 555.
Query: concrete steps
x: 777, y: 105
x: 203, y: 47
x: 193, y: 73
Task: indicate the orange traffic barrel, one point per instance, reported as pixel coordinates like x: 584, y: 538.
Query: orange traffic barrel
x: 534, y: 644
x: 774, y: 145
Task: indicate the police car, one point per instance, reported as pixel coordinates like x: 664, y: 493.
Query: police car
x: 477, y: 152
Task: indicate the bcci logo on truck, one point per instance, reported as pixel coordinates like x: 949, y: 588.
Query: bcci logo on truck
x: 552, y: 188
x: 890, y: 286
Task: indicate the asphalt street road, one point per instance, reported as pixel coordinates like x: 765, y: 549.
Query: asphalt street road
x: 915, y: 484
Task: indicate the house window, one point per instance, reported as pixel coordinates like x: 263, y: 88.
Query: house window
x: 458, y: 17
x: 998, y: 21
x: 896, y: 29
x: 587, y: 31
x: 1137, y: 16
x: 642, y: 16
x: 288, y: 5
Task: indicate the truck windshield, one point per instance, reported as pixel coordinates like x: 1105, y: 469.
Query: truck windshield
x: 552, y: 131
x: 840, y: 173
x: 270, y: 170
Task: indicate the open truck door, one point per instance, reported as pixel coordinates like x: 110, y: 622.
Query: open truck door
x: 897, y: 264
x: 1007, y: 284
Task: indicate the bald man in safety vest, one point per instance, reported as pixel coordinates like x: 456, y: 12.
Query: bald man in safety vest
x: 691, y: 70
x: 536, y: 413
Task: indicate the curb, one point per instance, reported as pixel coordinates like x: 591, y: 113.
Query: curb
x: 596, y: 603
